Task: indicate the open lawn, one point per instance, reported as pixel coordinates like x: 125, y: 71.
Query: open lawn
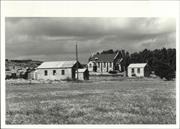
x: 141, y: 101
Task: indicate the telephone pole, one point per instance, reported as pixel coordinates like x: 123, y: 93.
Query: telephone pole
x: 77, y: 61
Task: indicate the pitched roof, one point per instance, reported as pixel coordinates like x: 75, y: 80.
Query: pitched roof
x: 57, y: 64
x: 103, y: 57
x: 137, y: 65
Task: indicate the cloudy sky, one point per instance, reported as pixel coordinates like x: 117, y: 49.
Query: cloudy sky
x: 55, y: 38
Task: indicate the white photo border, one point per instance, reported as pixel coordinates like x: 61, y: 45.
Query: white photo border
x: 89, y: 9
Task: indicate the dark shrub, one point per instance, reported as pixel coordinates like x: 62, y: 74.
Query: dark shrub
x: 164, y: 70
x: 133, y: 75
x: 113, y: 72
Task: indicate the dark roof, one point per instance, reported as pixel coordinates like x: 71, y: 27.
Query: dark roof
x: 103, y: 57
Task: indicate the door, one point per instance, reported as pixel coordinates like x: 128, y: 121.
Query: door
x: 94, y: 68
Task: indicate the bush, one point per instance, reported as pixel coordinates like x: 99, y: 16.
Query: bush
x: 164, y: 71
x: 8, y: 77
x: 113, y: 72
x: 133, y: 75
x: 13, y: 76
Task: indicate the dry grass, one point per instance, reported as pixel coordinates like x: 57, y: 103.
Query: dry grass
x: 92, y: 102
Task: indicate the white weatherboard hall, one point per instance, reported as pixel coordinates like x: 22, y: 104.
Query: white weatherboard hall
x: 138, y: 70
x: 104, y: 63
x: 57, y: 70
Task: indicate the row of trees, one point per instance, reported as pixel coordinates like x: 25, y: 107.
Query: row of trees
x: 161, y: 61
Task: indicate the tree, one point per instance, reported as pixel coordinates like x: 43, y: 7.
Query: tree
x: 163, y: 70
x: 162, y: 61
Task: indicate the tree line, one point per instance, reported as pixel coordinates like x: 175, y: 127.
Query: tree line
x: 160, y: 61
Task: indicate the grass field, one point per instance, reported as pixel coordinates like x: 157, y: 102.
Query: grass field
x: 92, y: 102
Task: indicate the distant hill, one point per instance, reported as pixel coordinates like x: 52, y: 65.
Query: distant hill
x: 22, y: 64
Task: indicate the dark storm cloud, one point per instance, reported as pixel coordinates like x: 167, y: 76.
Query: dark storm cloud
x: 54, y: 38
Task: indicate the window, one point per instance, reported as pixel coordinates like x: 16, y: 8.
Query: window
x: 62, y: 72
x: 45, y: 72
x: 138, y: 70
x: 54, y: 72
x: 132, y: 70
x: 104, y: 64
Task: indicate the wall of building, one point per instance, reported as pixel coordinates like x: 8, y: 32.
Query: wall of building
x: 137, y: 74
x: 101, y: 67
x: 57, y: 76
x: 98, y: 66
x: 80, y: 76
x: 90, y: 66
x: 83, y: 75
x: 108, y: 66
x: 32, y: 75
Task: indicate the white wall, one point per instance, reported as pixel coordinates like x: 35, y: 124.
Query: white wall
x: 98, y: 67
x: 104, y: 69
x: 32, y: 75
x: 57, y: 76
x: 80, y: 76
x: 110, y: 68
x: 90, y: 69
x: 141, y: 74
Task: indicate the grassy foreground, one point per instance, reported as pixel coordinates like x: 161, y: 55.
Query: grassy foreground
x: 93, y: 102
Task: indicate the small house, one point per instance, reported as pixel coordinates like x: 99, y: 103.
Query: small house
x: 57, y: 70
x: 104, y: 63
x: 83, y: 74
x: 138, y: 70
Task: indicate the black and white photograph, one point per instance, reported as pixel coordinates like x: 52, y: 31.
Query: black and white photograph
x: 90, y: 70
